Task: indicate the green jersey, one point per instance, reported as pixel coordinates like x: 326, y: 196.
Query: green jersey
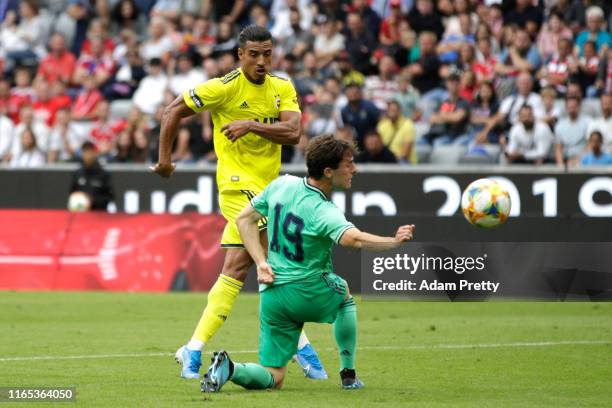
x: 303, y: 225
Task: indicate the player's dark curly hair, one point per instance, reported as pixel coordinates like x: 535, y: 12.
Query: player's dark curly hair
x: 326, y: 151
x: 253, y: 33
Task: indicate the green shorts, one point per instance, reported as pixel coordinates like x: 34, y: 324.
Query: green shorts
x: 284, y: 309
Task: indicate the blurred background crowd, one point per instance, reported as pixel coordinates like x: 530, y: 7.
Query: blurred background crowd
x: 411, y: 81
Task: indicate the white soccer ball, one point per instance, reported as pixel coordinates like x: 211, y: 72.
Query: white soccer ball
x: 79, y: 202
x: 485, y: 203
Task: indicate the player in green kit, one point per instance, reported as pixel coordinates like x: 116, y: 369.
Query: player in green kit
x: 297, y: 282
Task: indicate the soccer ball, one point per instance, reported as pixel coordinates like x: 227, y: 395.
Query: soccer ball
x: 79, y: 202
x: 485, y: 203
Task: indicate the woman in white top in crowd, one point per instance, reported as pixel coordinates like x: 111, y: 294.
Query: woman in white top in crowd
x: 30, y: 155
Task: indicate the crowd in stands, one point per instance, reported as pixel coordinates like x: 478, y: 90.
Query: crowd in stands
x: 410, y: 81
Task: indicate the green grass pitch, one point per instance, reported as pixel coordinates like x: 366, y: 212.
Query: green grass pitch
x: 497, y: 354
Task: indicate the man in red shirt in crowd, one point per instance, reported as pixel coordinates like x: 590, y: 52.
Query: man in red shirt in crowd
x: 105, y: 130
x: 59, y: 63
x: 22, y: 93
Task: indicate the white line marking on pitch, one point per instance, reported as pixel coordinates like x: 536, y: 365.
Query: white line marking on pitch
x: 410, y: 347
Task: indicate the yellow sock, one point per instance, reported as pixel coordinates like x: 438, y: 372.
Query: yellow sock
x: 220, y: 302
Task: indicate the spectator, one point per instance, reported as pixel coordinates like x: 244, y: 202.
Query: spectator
x: 483, y: 108
x: 448, y: 48
x: 588, y: 68
x: 210, y: 68
x: 374, y: 150
x: 28, y: 155
x: 98, y: 30
x: 59, y: 63
x: 344, y: 71
x: 604, y: 124
x: 225, y: 42
x: 368, y: 16
x: 346, y: 133
x: 424, y: 71
x: 552, y: 111
x: 92, y: 179
x: 525, y: 15
x: 423, y: 17
x: 558, y: 70
x: 328, y: 43
x: 510, y: 106
x: 407, y: 96
x: 150, y: 92
x: 87, y: 100
x: 406, y: 50
x: 23, y: 42
x: 397, y: 133
x: 291, y: 17
x: 128, y: 40
x: 530, y: 141
x: 321, y: 116
x: 595, y: 31
x: 390, y: 28
x: 298, y: 40
x: 570, y: 134
x: 360, y: 43
x: 309, y: 78
x: 520, y: 56
x: 159, y: 45
x: 603, y: 83
x: 359, y: 113
x: 65, y: 142
x: 550, y: 34
x: 44, y: 110
x: 227, y: 63
x: 596, y: 156
x: 105, y: 130
x: 168, y: 9
x: 132, y: 143
x: 22, y: 93
x: 97, y: 65
x: 5, y: 96
x: 484, y: 67
x: 126, y: 15
x: 381, y: 88
x: 6, y: 135
x: 449, y: 122
x: 39, y: 130
x: 186, y: 75
x: 126, y: 78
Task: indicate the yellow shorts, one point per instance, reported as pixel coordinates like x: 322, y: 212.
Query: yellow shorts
x: 232, y: 202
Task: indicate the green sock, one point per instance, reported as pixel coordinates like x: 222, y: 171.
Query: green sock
x: 252, y: 376
x: 345, y: 330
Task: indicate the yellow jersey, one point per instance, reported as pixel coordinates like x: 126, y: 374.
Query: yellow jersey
x: 251, y: 162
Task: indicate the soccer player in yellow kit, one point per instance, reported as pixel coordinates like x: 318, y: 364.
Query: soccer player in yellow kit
x: 253, y: 114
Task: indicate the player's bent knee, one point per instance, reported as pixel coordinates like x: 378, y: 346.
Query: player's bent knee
x: 237, y: 263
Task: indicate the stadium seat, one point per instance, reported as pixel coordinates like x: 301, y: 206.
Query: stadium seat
x: 423, y: 153
x: 447, y: 154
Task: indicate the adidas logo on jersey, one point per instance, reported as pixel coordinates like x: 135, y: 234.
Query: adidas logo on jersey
x: 244, y: 105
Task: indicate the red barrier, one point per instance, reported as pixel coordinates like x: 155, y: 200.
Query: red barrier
x: 59, y: 250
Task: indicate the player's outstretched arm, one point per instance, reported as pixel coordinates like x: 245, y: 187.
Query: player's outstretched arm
x: 287, y: 131
x: 171, y: 119
x: 249, y: 232
x: 355, y: 238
